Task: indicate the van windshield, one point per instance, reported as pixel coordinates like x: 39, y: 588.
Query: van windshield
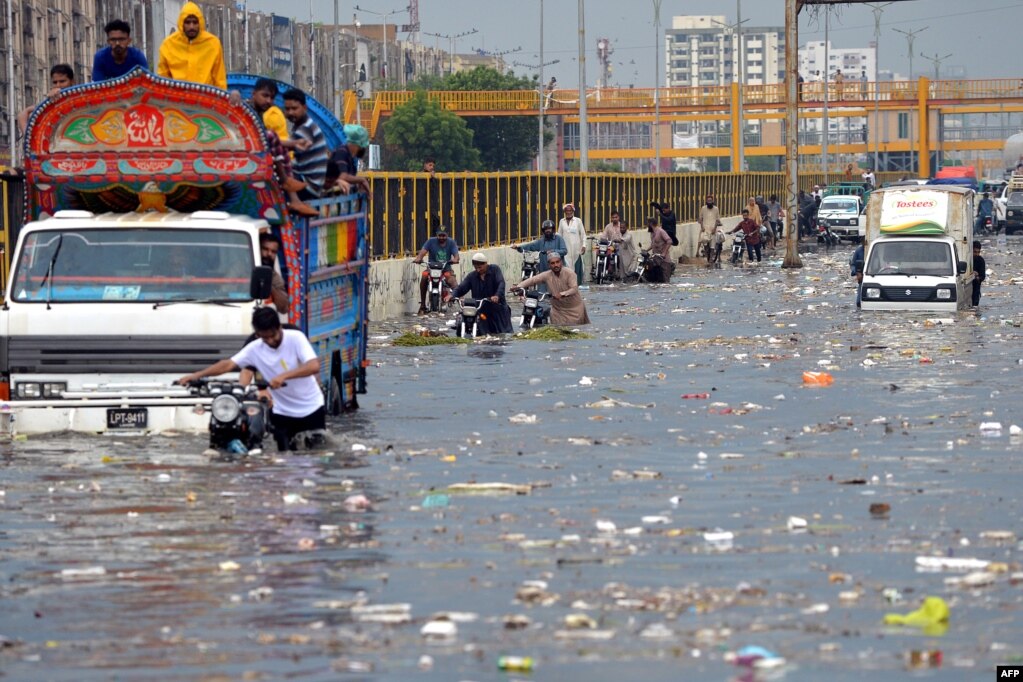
x: 133, y: 264
x: 911, y: 258
x: 845, y: 205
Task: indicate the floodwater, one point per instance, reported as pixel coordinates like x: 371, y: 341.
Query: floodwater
x: 127, y: 559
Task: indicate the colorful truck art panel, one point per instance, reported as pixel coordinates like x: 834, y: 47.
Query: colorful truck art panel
x: 104, y: 146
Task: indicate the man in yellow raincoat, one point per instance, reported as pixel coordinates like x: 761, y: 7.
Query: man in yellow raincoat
x: 192, y: 53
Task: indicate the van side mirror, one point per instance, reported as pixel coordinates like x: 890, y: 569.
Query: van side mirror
x: 261, y: 283
x: 962, y: 266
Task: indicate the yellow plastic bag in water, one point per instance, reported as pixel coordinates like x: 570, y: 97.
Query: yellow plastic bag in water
x: 932, y: 617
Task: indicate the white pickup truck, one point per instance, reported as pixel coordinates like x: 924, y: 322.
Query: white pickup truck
x: 844, y: 215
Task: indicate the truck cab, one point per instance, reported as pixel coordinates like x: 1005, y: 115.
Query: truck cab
x: 843, y: 214
x: 919, y: 249
x: 140, y: 260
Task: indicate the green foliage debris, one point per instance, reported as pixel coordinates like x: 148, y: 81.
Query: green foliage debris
x: 551, y: 333
x: 413, y: 339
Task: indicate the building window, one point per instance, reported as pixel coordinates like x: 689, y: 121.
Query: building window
x: 903, y: 126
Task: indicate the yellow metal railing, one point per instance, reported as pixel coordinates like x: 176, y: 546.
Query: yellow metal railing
x: 489, y: 209
x: 511, y: 102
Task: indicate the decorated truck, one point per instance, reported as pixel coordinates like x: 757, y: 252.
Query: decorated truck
x: 919, y: 249
x: 140, y: 261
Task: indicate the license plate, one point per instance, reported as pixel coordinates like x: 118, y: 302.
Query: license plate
x: 127, y: 418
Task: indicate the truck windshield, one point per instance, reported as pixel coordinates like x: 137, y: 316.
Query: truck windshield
x: 911, y: 258
x: 126, y: 264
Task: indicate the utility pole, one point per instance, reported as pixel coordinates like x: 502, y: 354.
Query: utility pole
x: 826, y: 126
x: 584, y: 132
x: 792, y: 136
x: 245, y: 23
x: 736, y: 28
x: 742, y: 80
x: 540, y: 105
x: 910, y: 35
x: 877, y: 8
x: 657, y: 86
x: 335, y: 61
x: 12, y: 117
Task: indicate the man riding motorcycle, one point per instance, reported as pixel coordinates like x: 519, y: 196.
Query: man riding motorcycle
x: 440, y: 249
x: 486, y: 283
x: 547, y: 244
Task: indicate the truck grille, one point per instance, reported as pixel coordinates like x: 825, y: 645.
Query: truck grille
x: 120, y: 354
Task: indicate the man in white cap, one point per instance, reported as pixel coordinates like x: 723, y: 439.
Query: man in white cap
x: 486, y: 283
x: 572, y: 230
x: 567, y: 307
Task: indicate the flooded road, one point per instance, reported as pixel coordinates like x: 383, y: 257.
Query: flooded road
x: 635, y: 534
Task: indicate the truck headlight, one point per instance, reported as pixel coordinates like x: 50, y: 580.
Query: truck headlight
x: 945, y: 294
x: 872, y: 292
x: 54, y: 389
x: 225, y: 408
x: 28, y: 390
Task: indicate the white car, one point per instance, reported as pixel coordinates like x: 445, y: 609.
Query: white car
x: 844, y: 215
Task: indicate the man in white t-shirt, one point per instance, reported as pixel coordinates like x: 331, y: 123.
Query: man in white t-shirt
x: 289, y: 365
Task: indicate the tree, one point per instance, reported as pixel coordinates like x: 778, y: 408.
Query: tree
x: 420, y: 128
x: 506, y: 143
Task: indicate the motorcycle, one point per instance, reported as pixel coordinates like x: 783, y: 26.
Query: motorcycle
x: 239, y: 417
x: 530, y: 264
x: 824, y: 235
x: 438, y: 286
x: 605, y: 262
x: 642, y: 263
x: 467, y: 324
x: 987, y: 226
x: 536, y: 309
x: 738, y: 246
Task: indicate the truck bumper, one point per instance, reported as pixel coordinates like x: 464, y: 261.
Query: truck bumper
x: 179, y: 415
x: 930, y: 306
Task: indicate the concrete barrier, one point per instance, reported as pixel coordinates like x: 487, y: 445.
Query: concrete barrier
x: 394, y: 283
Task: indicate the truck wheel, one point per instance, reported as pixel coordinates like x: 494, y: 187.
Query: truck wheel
x: 335, y: 401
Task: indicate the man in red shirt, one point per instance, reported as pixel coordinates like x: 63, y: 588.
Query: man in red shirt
x: 752, y: 230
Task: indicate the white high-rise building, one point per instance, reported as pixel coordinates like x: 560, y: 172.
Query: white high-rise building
x: 853, y: 62
x: 703, y: 50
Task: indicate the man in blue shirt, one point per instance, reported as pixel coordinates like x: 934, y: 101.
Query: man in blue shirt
x: 308, y: 144
x: 548, y: 243
x: 120, y: 56
x: 985, y: 209
x: 439, y: 249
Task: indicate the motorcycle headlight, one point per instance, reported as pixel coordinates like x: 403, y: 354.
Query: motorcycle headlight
x: 872, y: 292
x: 530, y: 302
x: 225, y: 408
x: 435, y: 273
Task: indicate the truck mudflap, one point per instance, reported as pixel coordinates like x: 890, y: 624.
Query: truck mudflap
x: 120, y: 416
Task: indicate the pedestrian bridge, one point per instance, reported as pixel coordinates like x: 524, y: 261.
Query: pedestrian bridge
x: 924, y: 104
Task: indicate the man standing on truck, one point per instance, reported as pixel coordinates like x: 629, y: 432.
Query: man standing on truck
x: 61, y: 76
x: 346, y: 157
x: 308, y: 144
x: 263, y: 95
x: 289, y: 365
x: 119, y: 56
x: 192, y: 53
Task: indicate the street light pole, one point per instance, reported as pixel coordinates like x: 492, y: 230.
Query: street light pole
x: 657, y: 86
x: 584, y: 132
x: 385, y: 15
x: 336, y: 60
x: 910, y: 35
x: 540, y: 87
x: 736, y: 28
x: 936, y: 60
x: 878, y: 9
x: 742, y: 80
x: 826, y: 127
x: 11, y: 116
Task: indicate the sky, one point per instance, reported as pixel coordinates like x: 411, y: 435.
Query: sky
x: 981, y: 36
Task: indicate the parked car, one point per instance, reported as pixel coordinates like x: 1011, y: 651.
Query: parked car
x: 1014, y: 211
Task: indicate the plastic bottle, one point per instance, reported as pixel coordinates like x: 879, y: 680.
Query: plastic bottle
x: 520, y: 664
